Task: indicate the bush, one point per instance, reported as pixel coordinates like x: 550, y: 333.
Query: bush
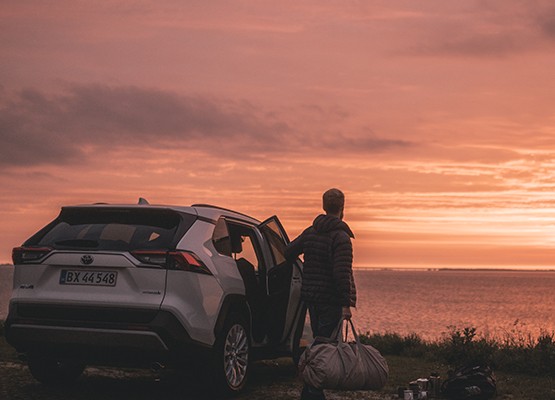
x: 515, y: 352
x: 536, y: 357
x: 545, y: 348
x: 395, y: 344
x: 462, y: 347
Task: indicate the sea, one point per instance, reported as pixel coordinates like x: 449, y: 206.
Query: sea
x: 432, y: 303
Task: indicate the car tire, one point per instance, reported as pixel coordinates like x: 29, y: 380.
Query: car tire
x: 51, y: 371
x: 230, y: 364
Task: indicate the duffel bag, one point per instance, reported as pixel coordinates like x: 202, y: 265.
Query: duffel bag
x: 337, y: 364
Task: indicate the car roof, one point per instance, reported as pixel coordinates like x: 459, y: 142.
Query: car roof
x: 214, y: 212
x: 206, y: 211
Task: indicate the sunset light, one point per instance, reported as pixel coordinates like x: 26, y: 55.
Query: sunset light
x: 435, y: 118
x: 164, y: 167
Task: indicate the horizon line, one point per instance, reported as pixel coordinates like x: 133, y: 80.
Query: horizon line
x: 432, y: 269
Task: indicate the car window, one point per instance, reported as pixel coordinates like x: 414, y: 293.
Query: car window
x: 221, y: 239
x: 273, y: 235
x: 114, y: 229
x: 245, y: 248
x: 248, y: 252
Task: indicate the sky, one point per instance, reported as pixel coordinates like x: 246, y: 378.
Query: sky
x: 436, y: 118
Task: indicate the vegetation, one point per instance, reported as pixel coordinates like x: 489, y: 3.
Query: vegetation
x: 515, y: 352
x: 7, y: 352
x: 524, y: 365
x: 524, y: 369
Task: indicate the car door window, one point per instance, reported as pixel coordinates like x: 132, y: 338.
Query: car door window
x: 248, y: 252
x: 274, y: 235
x: 242, y: 241
x: 221, y: 239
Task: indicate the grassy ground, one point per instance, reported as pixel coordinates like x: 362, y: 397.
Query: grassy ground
x: 274, y: 380
x: 509, y: 386
x: 269, y: 380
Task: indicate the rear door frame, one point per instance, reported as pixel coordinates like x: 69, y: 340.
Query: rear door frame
x: 294, y: 301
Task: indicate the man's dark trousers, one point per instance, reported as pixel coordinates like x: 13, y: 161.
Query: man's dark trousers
x: 324, y: 319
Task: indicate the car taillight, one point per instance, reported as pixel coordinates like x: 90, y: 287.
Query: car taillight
x: 24, y: 255
x: 187, y: 261
x: 151, y: 257
x: 175, y: 260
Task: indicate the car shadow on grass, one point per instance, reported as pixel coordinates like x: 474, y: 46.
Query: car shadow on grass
x: 268, y: 380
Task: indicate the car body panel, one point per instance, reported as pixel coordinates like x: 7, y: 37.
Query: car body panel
x: 135, y: 287
x: 223, y: 268
x: 198, y: 310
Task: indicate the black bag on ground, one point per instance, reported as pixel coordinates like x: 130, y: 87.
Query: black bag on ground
x: 470, y: 382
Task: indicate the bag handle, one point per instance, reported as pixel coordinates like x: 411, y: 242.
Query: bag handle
x: 338, y: 331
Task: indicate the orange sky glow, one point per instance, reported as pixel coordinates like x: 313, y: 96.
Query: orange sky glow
x: 437, y: 119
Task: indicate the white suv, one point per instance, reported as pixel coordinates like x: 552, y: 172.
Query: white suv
x: 143, y: 285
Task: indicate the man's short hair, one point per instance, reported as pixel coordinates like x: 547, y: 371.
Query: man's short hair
x: 333, y: 201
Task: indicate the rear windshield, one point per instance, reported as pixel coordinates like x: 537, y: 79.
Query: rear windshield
x: 113, y: 229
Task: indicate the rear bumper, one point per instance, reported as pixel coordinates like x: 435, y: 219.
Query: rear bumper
x: 100, y: 334
x: 30, y: 335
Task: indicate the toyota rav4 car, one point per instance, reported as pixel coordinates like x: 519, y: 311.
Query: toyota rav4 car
x: 199, y: 286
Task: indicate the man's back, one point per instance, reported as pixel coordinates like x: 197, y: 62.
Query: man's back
x: 328, y: 257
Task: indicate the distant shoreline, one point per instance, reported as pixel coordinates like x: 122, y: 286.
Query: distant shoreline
x: 454, y: 269
x: 434, y: 269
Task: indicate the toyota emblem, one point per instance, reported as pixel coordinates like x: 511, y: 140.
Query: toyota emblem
x: 86, y: 259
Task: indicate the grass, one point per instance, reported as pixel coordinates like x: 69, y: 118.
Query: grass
x: 404, y: 369
x: 524, y: 366
x: 521, y: 368
x: 7, y: 352
x: 514, y: 352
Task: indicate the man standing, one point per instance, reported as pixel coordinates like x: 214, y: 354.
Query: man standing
x: 328, y: 286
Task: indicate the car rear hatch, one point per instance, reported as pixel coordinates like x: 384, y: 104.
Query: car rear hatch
x: 93, y: 260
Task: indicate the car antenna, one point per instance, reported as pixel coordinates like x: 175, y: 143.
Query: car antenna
x: 143, y: 201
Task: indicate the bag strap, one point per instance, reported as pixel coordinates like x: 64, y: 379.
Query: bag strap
x: 353, y: 330
x: 338, y: 331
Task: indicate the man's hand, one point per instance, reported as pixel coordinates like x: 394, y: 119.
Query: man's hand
x: 346, y: 313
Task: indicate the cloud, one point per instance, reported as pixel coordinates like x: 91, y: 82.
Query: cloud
x: 487, y: 29
x: 66, y: 128
x: 37, y: 129
x: 547, y: 24
x: 480, y: 45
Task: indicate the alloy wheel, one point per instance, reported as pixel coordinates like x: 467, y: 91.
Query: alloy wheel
x: 236, y: 355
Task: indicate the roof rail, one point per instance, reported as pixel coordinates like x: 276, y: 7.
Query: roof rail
x: 221, y: 208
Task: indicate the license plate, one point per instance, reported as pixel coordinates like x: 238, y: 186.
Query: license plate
x: 89, y: 278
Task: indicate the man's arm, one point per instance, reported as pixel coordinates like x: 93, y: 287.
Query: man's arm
x: 342, y: 269
x: 295, y: 248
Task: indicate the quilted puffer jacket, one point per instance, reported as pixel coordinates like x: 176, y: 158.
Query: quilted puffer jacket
x: 328, y: 260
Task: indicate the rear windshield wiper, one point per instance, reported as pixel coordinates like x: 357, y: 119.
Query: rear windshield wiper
x: 82, y: 243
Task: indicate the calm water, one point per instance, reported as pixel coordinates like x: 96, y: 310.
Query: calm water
x: 427, y: 302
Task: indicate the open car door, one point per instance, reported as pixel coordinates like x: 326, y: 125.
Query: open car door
x: 283, y: 283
